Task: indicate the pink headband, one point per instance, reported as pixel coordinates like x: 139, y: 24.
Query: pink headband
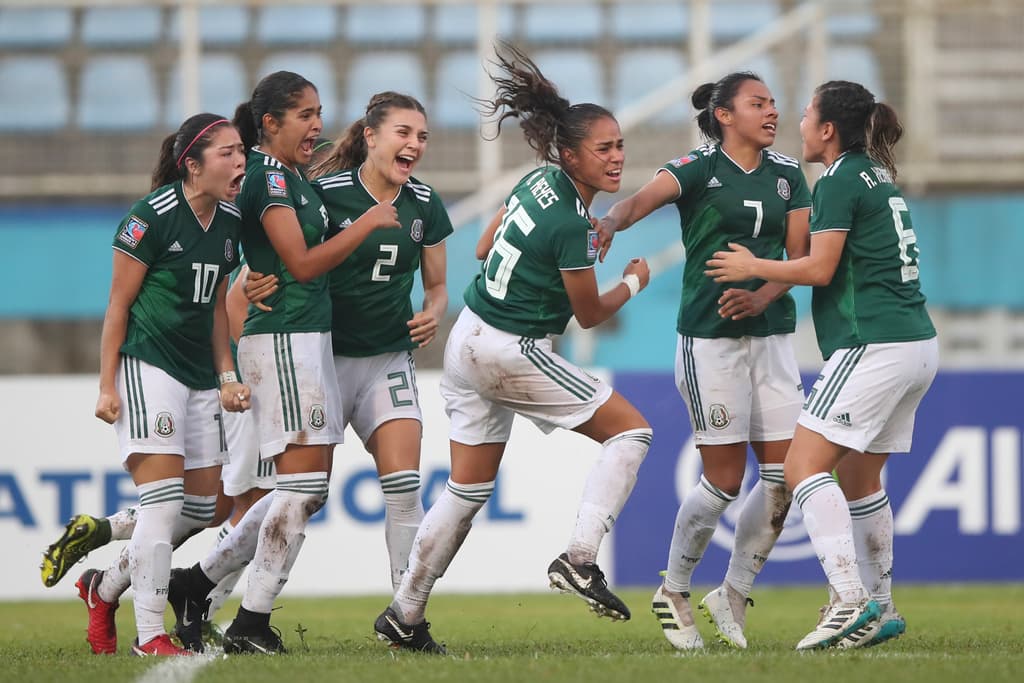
x: 201, y: 133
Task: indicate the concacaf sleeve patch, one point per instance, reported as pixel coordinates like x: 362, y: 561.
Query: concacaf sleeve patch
x: 133, y: 231
x: 276, y: 185
x: 682, y: 161
x: 593, y: 243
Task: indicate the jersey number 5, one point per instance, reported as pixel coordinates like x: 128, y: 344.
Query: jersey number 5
x: 502, y: 258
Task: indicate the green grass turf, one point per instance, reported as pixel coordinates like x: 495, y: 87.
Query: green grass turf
x: 954, y: 633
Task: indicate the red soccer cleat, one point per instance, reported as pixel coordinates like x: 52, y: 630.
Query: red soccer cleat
x: 102, y: 631
x: 161, y: 646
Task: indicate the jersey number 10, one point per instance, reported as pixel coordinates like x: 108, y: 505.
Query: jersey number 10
x: 206, y: 280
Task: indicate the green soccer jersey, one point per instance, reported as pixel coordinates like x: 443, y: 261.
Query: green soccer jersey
x: 170, y: 324
x: 719, y: 203
x: 874, y: 296
x: 370, y: 290
x: 295, y: 306
x: 546, y: 229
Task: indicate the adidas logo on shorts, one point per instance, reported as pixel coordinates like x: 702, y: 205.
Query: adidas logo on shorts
x: 843, y: 419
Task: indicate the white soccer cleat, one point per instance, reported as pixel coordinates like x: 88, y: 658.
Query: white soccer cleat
x: 673, y: 612
x: 889, y: 626
x: 837, y: 621
x: 726, y: 609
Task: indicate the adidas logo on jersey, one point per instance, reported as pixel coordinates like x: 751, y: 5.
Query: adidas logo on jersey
x: 345, y: 223
x: 302, y: 200
x: 175, y: 246
x: 843, y: 419
x: 714, y: 182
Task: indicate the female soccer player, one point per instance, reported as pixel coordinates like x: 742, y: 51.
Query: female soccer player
x: 374, y: 328
x: 285, y: 351
x: 499, y: 362
x: 735, y: 366
x: 880, y: 351
x: 164, y: 350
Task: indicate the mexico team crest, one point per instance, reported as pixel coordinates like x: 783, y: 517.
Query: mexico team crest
x: 164, y: 424
x: 416, y: 231
x: 783, y: 187
x: 276, y: 184
x: 317, y: 417
x: 229, y: 251
x: 718, y: 416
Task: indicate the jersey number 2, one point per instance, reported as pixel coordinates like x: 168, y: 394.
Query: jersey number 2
x: 390, y: 257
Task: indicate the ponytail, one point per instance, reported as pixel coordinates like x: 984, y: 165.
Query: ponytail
x: 245, y: 122
x: 166, y: 171
x: 862, y: 124
x: 883, y: 132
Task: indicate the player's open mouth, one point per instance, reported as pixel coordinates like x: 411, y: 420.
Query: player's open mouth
x: 307, y: 145
x: 405, y: 162
x: 235, y: 186
x: 615, y: 174
x: 770, y: 127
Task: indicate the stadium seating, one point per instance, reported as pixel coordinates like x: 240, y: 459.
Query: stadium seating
x: 228, y: 25
x: 117, y: 93
x: 639, y: 71
x: 35, y: 94
x: 297, y: 24
x: 577, y: 73
x: 222, y: 86
x: 385, y: 24
x: 734, y: 20
x: 35, y: 27
x: 856, y: 63
x: 650, y: 20
x: 103, y: 26
x: 457, y: 76
x: 562, y: 22
x: 458, y: 23
x: 318, y: 70
x: 373, y: 72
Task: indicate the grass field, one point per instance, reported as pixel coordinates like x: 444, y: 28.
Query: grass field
x: 954, y: 633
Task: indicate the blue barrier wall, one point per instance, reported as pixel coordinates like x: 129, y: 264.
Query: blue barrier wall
x: 956, y: 498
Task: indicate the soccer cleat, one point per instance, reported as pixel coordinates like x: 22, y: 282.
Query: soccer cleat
x: 726, y: 609
x: 161, y: 646
x: 401, y: 635
x: 837, y: 621
x: 212, y: 635
x: 189, y: 610
x: 587, y: 581
x: 258, y: 640
x: 673, y: 611
x: 889, y: 626
x: 101, y: 633
x: 82, y: 534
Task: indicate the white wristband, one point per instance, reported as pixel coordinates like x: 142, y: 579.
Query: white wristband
x: 228, y: 376
x: 632, y: 282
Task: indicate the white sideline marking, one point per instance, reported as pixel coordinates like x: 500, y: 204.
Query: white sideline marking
x: 176, y: 669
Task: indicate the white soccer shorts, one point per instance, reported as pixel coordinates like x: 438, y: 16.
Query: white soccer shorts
x: 490, y: 375
x: 739, y: 390
x: 295, y: 398
x: 160, y: 415
x: 866, y: 397
x: 377, y: 389
x: 247, y: 470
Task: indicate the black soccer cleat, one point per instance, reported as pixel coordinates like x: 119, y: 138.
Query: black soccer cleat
x: 401, y: 635
x: 189, y: 610
x: 253, y: 640
x: 587, y: 582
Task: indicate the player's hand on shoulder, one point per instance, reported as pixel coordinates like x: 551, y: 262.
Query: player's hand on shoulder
x: 108, y: 406
x: 235, y: 397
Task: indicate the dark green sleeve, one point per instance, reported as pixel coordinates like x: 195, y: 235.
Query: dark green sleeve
x: 833, y: 205
x: 800, y: 196
x: 439, y: 225
x: 137, y: 234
